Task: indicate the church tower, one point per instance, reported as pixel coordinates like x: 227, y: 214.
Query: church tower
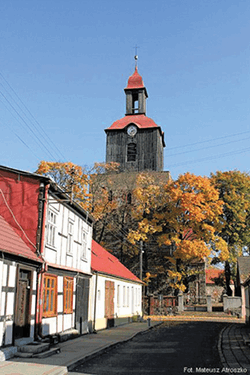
x: 135, y: 141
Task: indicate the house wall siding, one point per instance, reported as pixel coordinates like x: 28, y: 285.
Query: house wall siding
x: 129, y: 304
x: 19, y: 194
x: 69, y: 228
x: 59, y: 253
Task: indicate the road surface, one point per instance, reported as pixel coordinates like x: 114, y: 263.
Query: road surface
x: 173, y: 348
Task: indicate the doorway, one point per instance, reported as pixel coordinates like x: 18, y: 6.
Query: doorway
x: 109, y: 303
x: 23, y: 303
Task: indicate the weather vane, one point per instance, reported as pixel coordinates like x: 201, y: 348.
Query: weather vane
x: 136, y: 56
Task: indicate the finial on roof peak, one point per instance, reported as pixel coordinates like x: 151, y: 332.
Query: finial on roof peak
x: 136, y: 57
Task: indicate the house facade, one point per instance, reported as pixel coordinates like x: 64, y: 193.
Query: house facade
x: 116, y: 292
x: 242, y: 284
x: 18, y: 269
x: 46, y: 269
x: 67, y: 253
x: 247, y: 299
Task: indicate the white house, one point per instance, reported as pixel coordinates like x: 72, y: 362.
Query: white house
x: 116, y: 292
x: 67, y: 255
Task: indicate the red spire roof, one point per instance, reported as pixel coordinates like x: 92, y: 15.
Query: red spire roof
x: 135, y: 81
x: 104, y: 262
x: 11, y: 243
x: 141, y: 121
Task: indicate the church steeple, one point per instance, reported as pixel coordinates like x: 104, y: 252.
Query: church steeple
x: 136, y: 95
x: 135, y: 141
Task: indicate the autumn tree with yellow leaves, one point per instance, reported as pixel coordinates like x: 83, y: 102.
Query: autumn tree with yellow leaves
x: 186, y: 213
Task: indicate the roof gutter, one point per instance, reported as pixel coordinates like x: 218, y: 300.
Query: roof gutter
x: 40, y: 276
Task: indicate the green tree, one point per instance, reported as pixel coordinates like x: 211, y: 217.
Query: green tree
x: 234, y: 191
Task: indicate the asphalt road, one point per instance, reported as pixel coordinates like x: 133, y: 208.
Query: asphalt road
x: 173, y: 348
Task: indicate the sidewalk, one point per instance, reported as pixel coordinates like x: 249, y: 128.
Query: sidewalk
x: 73, y: 352
x: 232, y: 346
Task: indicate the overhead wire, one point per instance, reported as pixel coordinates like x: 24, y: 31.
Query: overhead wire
x: 209, y: 140
x: 36, y: 125
x: 14, y: 108
x: 9, y: 126
x: 208, y: 158
x: 205, y: 148
x: 35, y: 137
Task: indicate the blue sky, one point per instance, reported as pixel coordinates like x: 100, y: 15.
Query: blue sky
x: 69, y: 61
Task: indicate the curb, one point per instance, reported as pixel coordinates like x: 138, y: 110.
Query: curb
x: 219, y: 347
x: 71, y: 366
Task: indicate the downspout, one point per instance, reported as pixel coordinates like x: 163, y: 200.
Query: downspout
x: 40, y: 276
x: 94, y: 330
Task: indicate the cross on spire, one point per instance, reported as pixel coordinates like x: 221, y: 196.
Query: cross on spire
x: 136, y: 56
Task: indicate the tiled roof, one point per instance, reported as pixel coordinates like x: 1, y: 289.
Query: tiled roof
x: 11, y: 243
x: 244, y: 268
x: 211, y: 274
x: 141, y: 121
x: 104, y: 262
x: 135, y: 81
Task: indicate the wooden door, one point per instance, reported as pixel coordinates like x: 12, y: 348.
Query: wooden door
x: 23, y: 304
x: 109, y: 303
x: 82, y: 304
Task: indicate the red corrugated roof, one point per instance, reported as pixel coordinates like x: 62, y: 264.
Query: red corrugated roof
x: 211, y: 274
x: 11, y: 243
x: 104, y: 262
x: 141, y: 121
x: 135, y: 81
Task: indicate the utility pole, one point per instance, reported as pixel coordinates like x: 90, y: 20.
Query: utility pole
x: 141, y: 258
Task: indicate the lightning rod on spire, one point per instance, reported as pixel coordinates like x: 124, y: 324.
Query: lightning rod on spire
x: 136, y: 56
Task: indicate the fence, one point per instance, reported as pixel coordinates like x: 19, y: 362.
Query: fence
x: 160, y: 305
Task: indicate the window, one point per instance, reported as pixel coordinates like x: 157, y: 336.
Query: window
x: 68, y: 287
x: 131, y: 152
x: 124, y: 296
x: 127, y: 296
x: 70, y: 237
x: 51, y: 228
x: 138, y: 297
x: 129, y: 198
x: 118, y: 295
x: 50, y: 296
x: 84, y: 245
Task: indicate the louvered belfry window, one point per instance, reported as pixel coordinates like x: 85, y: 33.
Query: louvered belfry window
x: 131, y: 154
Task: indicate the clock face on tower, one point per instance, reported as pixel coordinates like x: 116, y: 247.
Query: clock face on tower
x: 132, y: 130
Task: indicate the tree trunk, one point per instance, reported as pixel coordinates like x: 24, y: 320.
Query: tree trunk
x: 228, y: 278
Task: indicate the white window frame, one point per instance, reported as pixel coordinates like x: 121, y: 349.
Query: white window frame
x: 124, y: 296
x: 70, y: 241
x: 128, y: 296
x: 118, y: 295
x: 51, y: 228
x: 84, y: 244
